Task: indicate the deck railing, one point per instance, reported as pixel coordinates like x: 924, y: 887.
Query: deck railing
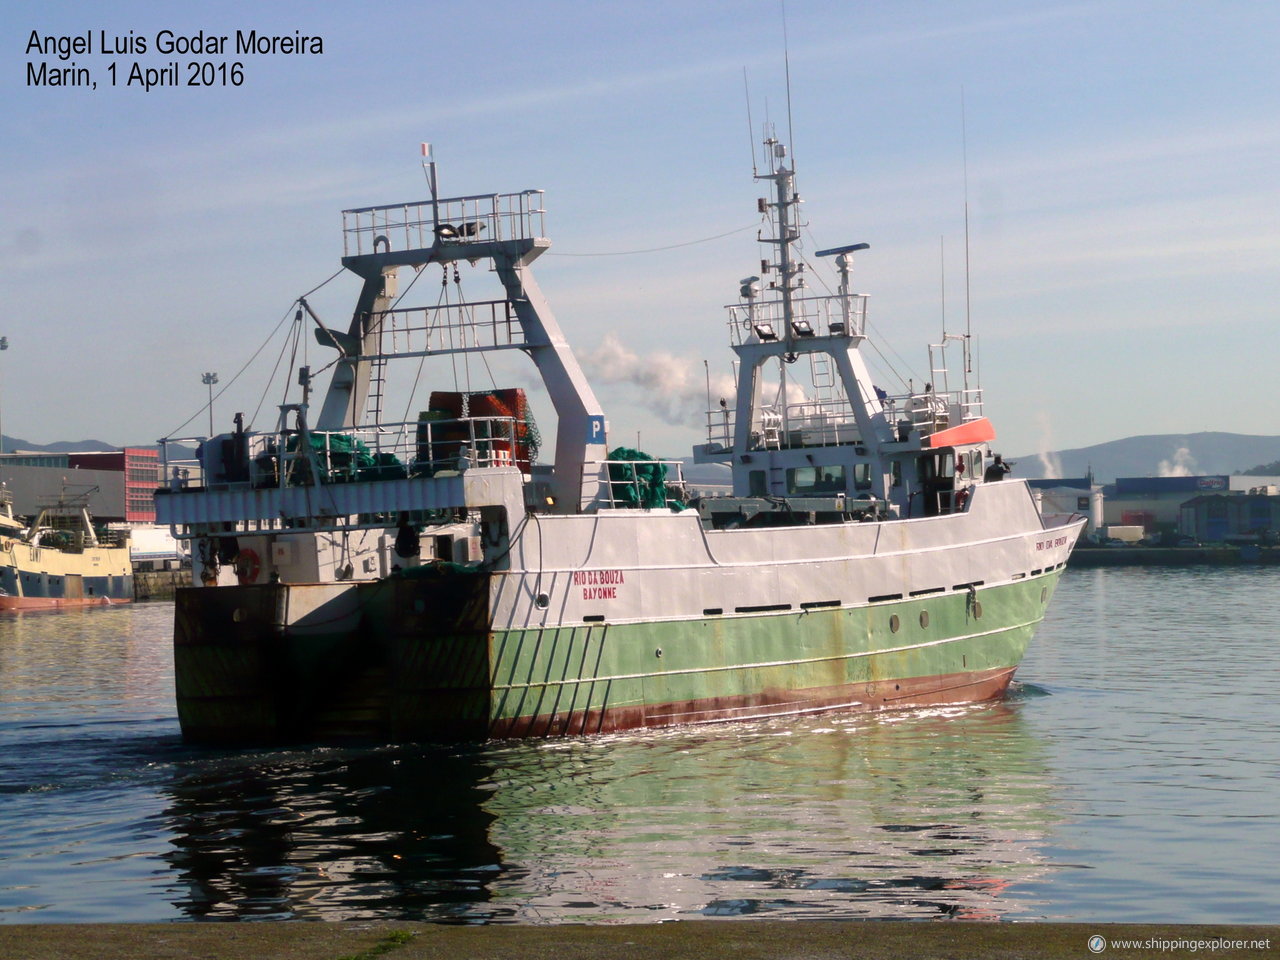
x: 833, y: 315
x: 823, y: 423
x: 420, y: 224
x: 622, y: 484
x: 414, y: 448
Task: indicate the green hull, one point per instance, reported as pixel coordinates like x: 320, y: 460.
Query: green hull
x: 424, y: 662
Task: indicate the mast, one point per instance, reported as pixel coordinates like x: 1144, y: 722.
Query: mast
x: 786, y: 232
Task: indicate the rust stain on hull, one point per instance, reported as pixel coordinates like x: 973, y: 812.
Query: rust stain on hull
x: 902, y: 694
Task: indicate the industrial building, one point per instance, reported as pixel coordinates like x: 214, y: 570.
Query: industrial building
x: 1155, y: 503
x: 121, y: 487
x: 1252, y: 517
x: 125, y: 480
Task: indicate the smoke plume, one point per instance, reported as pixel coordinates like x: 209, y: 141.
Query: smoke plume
x: 1049, y: 461
x: 672, y: 387
x: 1183, y: 464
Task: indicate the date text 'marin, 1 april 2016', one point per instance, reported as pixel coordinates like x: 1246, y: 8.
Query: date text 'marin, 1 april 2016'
x: 190, y: 73
x: 166, y: 42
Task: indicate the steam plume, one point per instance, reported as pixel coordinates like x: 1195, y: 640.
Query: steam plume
x: 1182, y: 465
x: 673, y: 387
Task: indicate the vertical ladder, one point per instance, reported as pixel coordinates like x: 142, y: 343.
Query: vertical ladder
x: 824, y: 379
x: 377, y: 383
x: 938, y: 372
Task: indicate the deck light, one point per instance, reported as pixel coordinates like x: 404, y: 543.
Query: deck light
x: 765, y: 332
x: 802, y: 328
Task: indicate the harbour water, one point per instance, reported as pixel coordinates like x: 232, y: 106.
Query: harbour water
x: 1131, y: 776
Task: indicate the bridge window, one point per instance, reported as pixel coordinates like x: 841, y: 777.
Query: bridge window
x: 816, y: 480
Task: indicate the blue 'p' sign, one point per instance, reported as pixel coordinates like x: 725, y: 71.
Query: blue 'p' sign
x: 595, y: 429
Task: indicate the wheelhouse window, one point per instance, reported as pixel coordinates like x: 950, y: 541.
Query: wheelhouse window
x: 815, y: 480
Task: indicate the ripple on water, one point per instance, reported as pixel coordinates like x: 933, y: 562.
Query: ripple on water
x: 1128, y: 776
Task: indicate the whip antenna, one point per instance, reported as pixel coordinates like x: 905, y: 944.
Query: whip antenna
x: 786, y: 62
x: 964, y: 147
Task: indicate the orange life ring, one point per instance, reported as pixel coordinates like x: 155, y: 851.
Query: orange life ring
x: 247, y: 566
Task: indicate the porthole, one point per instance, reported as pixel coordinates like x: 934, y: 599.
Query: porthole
x: 924, y: 618
x: 894, y: 623
x: 542, y: 601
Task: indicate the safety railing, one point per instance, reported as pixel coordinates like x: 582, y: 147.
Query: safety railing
x: 720, y: 426
x: 811, y: 423
x: 646, y: 484
x: 457, y: 220
x: 764, y: 320
x: 929, y: 411
x: 425, y: 447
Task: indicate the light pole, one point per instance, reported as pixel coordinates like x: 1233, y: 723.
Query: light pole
x: 209, y: 379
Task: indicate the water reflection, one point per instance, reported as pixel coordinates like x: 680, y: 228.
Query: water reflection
x: 331, y: 833
x: 922, y: 815
x: 1138, y: 791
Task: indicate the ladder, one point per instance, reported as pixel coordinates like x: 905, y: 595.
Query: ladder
x: 824, y: 379
x: 377, y: 385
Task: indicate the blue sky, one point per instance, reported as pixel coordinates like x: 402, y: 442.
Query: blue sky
x: 1123, y: 185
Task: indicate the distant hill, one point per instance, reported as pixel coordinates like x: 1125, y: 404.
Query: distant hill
x: 1265, y: 469
x: 1163, y: 455
x: 12, y: 444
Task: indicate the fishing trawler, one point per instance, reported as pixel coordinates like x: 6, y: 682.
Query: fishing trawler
x: 431, y: 578
x: 59, y: 560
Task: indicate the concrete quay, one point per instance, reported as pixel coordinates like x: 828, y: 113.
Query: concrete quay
x: 700, y: 939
